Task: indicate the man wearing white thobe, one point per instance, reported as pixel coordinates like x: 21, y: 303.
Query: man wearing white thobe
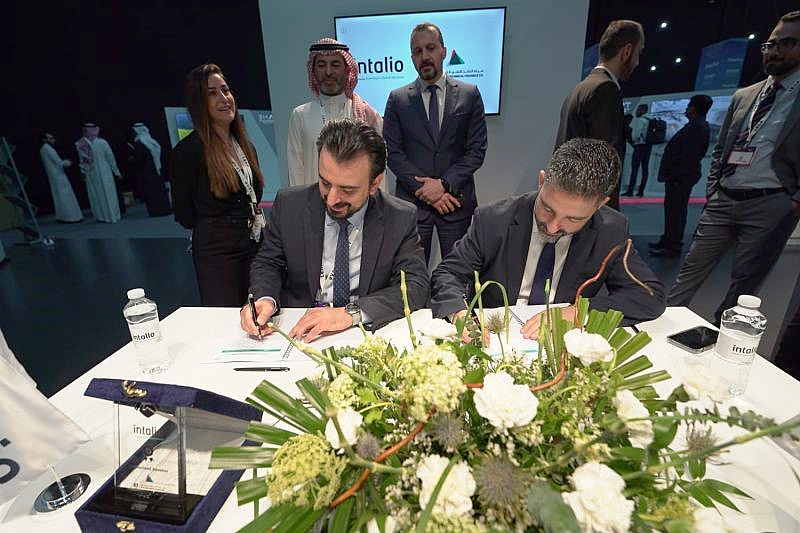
x: 332, y: 77
x: 64, y: 201
x: 99, y: 169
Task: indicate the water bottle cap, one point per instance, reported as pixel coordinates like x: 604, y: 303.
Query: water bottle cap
x: 746, y: 300
x: 135, y: 294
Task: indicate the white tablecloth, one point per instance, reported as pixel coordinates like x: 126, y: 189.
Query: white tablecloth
x: 196, y: 335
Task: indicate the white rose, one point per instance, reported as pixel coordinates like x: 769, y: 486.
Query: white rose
x: 593, y: 475
x: 436, y: 328
x: 454, y: 498
x: 588, y: 347
x: 388, y: 527
x: 708, y: 520
x: 504, y: 404
x: 349, y: 421
x: 628, y: 407
x: 702, y: 385
x: 597, y: 502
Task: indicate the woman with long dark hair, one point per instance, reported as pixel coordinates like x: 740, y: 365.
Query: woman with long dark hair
x: 216, y: 187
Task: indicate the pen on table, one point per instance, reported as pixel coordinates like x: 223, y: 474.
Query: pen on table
x: 252, y: 303
x: 262, y: 369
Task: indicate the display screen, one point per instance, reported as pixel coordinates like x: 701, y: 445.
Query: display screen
x: 381, y: 45
x: 671, y: 111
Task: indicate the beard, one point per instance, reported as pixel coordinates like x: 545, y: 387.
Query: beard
x: 548, y: 237
x: 432, y: 75
x: 779, y: 66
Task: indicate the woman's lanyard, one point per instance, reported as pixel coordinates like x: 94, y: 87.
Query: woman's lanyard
x: 245, y: 174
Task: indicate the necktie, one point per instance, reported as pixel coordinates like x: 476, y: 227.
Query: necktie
x: 341, y: 267
x: 761, y: 111
x: 433, y: 112
x: 544, y: 271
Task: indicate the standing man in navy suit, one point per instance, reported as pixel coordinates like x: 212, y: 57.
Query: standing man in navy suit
x: 435, y: 132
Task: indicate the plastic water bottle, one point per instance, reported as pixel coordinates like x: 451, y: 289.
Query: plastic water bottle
x: 142, y: 317
x: 739, y: 333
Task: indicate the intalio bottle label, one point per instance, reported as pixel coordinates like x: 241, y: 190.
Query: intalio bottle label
x: 148, y: 332
x: 735, y: 348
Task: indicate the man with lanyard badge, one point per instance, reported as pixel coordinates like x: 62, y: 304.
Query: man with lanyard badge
x: 754, y: 182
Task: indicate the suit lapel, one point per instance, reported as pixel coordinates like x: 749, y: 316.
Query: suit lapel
x: 314, y: 232
x: 416, y: 102
x: 371, y: 242
x: 577, y: 257
x: 747, y: 104
x: 450, y: 99
x: 519, y: 238
x: 791, y: 120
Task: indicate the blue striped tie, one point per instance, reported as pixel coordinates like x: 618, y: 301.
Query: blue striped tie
x: 341, y: 267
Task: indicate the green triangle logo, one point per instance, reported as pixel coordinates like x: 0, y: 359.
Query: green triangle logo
x: 455, y: 59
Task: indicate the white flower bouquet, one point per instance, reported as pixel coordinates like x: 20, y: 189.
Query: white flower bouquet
x: 443, y: 437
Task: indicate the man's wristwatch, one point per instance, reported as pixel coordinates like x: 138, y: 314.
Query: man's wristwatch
x: 354, y: 311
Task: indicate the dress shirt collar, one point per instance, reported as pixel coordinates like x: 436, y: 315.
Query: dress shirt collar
x: 611, y: 74
x: 786, y: 82
x: 356, y: 219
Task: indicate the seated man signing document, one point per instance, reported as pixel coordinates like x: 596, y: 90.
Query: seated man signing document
x: 572, y: 233
x: 337, y: 247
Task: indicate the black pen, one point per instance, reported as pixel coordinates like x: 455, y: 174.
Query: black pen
x: 252, y: 303
x: 262, y: 369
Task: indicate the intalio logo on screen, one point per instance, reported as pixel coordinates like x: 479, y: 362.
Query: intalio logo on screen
x: 379, y: 66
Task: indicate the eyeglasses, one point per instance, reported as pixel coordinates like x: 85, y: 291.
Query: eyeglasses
x: 787, y: 43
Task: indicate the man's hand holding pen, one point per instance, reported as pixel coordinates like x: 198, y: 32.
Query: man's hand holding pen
x: 257, y: 327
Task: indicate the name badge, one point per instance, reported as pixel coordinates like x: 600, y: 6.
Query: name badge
x: 742, y: 156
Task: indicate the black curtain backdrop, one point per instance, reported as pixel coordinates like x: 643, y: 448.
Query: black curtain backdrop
x: 116, y: 63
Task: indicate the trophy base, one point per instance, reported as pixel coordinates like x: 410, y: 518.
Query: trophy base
x: 52, y: 498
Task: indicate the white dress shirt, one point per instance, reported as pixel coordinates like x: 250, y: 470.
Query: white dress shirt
x: 534, y: 250
x: 329, y: 240
x: 426, y: 95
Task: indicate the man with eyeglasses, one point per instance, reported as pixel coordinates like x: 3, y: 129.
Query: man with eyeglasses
x: 754, y: 183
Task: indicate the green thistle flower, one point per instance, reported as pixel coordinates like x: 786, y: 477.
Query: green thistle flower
x: 368, y: 446
x: 447, y: 430
x: 499, y: 483
x: 700, y: 437
x: 495, y: 323
x: 304, y: 470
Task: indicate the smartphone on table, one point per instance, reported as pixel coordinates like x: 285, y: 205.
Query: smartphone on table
x: 694, y: 340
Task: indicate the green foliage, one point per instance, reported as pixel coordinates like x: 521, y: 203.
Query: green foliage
x: 549, y: 510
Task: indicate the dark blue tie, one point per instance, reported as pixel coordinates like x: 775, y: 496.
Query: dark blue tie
x: 341, y: 267
x: 544, y: 271
x: 433, y: 113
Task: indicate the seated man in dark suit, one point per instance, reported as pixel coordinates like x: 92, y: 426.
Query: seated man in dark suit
x: 573, y: 232
x: 338, y: 247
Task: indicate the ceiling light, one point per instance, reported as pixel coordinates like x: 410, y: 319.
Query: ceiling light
x: 664, y: 25
x: 678, y: 59
x: 653, y: 68
x: 751, y: 36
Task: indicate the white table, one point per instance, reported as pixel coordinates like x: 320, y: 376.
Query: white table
x: 195, y: 334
